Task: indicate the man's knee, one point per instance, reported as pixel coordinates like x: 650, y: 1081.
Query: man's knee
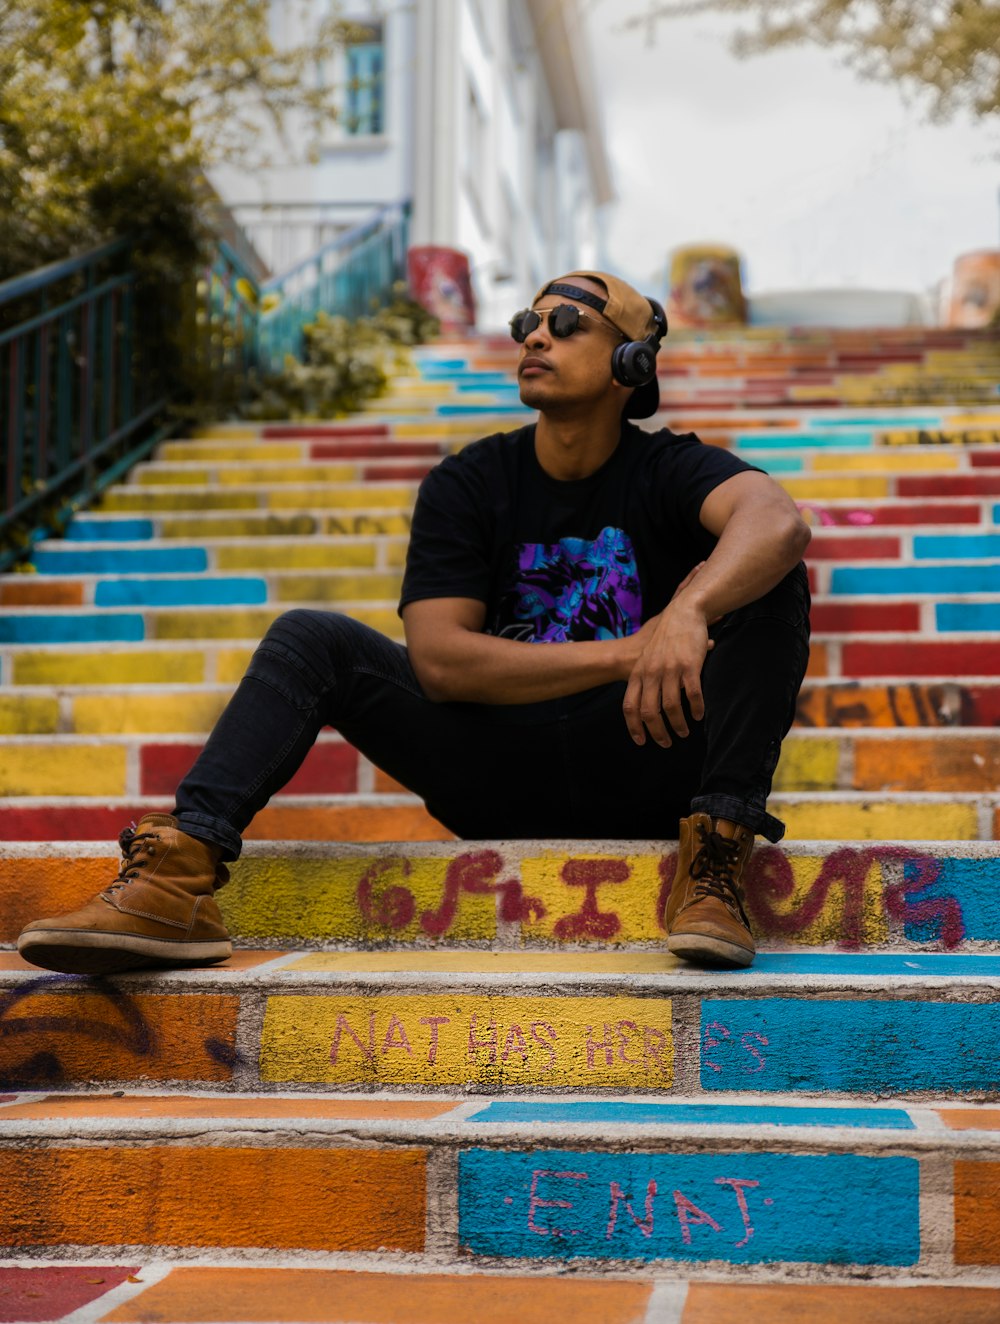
x: 303, y: 646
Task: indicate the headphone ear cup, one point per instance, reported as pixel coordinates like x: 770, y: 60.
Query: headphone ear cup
x: 634, y: 363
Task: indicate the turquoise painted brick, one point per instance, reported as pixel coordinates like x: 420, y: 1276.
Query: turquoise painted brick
x: 964, y: 898
x: 862, y: 1046
x: 973, y: 616
x: 744, y: 1208
x: 906, y: 579
x: 208, y: 592
x: 787, y: 439
x: 76, y: 629
x: 958, y: 546
x: 691, y: 1114
x: 121, y: 561
x: 775, y: 464
x: 109, y: 530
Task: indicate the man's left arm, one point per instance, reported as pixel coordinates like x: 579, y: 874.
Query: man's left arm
x: 761, y: 537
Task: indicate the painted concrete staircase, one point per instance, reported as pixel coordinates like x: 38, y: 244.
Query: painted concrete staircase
x: 475, y: 1063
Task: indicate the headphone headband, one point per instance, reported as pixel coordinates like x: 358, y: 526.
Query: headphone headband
x: 581, y: 296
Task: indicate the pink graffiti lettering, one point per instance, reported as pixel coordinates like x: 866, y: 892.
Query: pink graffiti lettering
x: 740, y: 1186
x: 535, y: 1202
x: 476, y: 875
x: 515, y: 1043
x: 688, y: 1213
x: 392, y: 908
x: 747, y: 1040
x: 618, y: 1196
x: 770, y: 879
x: 434, y: 1022
x: 490, y: 1042
x: 396, y: 1037
x: 537, y: 1029
x: 343, y: 1027
x: 713, y: 1028
x: 590, y: 921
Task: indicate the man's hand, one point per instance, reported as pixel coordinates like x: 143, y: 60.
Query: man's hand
x: 672, y: 651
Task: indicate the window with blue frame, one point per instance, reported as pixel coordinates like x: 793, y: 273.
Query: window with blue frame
x: 364, y: 111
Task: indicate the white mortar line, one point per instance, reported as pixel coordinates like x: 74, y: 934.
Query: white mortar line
x: 666, y: 1305
x: 127, y: 1291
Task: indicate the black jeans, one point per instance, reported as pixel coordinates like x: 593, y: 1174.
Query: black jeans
x: 505, y: 771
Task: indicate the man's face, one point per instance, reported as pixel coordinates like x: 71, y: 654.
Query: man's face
x: 553, y: 373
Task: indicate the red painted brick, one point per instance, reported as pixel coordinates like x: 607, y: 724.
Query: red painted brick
x: 329, y: 769
x: 374, y: 450
x: 826, y: 548
x: 33, y: 1295
x: 843, y: 617
x: 924, y: 659
x: 304, y: 431
x: 986, y: 460
x: 66, y: 823
x: 949, y: 485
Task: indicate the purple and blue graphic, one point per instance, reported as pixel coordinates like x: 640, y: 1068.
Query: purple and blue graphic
x: 572, y: 590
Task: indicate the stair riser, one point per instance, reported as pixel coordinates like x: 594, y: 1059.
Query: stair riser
x: 478, y: 1197
x: 932, y: 895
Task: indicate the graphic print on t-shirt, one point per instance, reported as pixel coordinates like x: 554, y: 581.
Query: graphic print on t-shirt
x: 571, y: 590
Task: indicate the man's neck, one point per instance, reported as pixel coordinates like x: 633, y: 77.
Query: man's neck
x: 573, y: 448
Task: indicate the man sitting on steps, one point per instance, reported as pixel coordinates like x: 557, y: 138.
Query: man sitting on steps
x: 662, y: 579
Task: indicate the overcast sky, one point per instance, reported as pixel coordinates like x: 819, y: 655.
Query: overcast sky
x: 818, y: 178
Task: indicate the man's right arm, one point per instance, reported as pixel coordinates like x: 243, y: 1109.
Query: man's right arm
x: 455, y: 662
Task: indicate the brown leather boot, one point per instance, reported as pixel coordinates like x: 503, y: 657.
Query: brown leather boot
x: 159, y: 911
x: 704, y: 915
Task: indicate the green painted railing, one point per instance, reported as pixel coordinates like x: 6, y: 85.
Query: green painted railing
x: 80, y: 401
x: 82, y: 398
x: 351, y: 275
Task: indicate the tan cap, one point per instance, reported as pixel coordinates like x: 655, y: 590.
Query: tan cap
x: 624, y: 307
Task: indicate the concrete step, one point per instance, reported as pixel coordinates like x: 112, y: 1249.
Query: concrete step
x: 508, y: 1184
x: 964, y: 759
x: 835, y: 1026
x: 918, y: 895
x: 277, y: 1287
x: 854, y: 816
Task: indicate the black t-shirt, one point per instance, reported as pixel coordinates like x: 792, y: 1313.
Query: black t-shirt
x: 553, y: 561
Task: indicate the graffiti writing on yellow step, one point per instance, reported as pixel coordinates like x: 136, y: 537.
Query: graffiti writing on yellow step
x: 944, y: 437
x: 886, y: 705
x: 854, y: 896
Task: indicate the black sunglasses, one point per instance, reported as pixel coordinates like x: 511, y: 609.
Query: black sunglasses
x: 563, y: 321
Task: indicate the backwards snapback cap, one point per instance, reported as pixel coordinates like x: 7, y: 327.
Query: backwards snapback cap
x: 626, y: 309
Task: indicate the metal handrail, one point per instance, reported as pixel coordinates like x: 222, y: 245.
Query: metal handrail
x: 81, y: 397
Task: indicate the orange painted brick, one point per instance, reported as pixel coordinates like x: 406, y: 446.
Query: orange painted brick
x: 253, y: 1105
x: 32, y: 889
x: 795, y: 1303
x: 977, y: 1213
x: 385, y: 783
x: 185, y: 1195
x: 326, y: 1296
x: 912, y: 764
x: 970, y: 1119
x: 339, y: 823
x: 819, y: 662
x: 92, y: 1031
x: 35, y: 591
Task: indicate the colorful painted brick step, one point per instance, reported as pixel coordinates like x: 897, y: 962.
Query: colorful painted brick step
x: 549, y: 896
x: 454, y: 1187
x: 953, y: 759
x: 265, y: 1293
x: 194, y: 709
x: 801, y: 1024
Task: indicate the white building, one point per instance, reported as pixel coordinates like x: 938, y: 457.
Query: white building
x: 483, y: 114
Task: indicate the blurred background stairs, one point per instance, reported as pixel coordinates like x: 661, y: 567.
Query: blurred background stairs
x: 472, y: 1061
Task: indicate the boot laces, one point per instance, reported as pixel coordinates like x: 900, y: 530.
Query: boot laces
x: 133, y: 848
x: 714, y: 867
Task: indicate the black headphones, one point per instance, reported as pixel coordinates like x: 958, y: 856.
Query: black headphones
x: 633, y: 363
